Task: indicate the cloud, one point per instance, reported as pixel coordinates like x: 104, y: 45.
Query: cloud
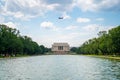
x: 64, y: 5
x: 95, y: 28
x: 108, y: 5
x: 11, y: 24
x: 2, y: 19
x: 98, y: 5
x: 71, y: 27
x: 87, y: 5
x: 22, y: 16
x: 83, y: 20
x: 48, y: 25
x: 26, y: 9
x: 66, y: 16
x: 91, y: 28
x: 100, y: 19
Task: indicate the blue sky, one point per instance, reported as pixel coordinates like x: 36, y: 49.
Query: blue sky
x: 82, y: 19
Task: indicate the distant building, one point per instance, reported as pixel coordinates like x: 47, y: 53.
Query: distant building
x: 60, y: 48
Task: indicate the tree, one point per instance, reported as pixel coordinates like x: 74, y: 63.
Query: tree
x: 12, y: 43
x: 115, y: 36
x: 74, y: 49
x: 105, y: 44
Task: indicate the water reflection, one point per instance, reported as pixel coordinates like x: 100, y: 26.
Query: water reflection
x: 59, y: 67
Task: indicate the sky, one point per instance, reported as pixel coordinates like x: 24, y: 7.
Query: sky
x: 82, y: 19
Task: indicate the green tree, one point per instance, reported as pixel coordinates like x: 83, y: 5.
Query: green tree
x: 12, y: 43
x: 105, y: 44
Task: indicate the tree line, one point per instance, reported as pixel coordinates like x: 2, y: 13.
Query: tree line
x: 12, y: 43
x: 107, y: 43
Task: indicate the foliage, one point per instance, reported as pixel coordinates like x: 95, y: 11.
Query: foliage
x: 12, y: 43
x: 73, y: 49
x: 105, y: 44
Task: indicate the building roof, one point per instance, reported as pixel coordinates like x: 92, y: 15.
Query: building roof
x: 60, y: 44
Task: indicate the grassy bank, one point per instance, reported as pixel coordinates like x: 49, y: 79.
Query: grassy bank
x: 15, y: 56
x: 18, y: 55
x: 106, y: 56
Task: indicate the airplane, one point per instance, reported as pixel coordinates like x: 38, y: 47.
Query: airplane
x: 60, y: 17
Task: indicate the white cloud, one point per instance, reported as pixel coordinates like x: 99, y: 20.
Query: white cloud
x: 64, y: 5
x: 86, y: 5
x: 71, y: 27
x: 66, y: 16
x: 95, y: 28
x: 100, y: 19
x: 26, y: 9
x: 48, y: 25
x: 106, y: 28
x: 11, y: 24
x: 91, y: 27
x: 18, y: 15
x: 2, y: 19
x: 83, y: 20
x: 52, y: 6
x: 98, y: 5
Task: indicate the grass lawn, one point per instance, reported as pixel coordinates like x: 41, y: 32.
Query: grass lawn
x: 106, y: 56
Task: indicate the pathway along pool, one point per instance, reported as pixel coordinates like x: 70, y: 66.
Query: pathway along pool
x: 59, y: 67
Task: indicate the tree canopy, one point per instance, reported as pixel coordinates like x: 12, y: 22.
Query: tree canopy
x: 12, y: 43
x: 108, y: 43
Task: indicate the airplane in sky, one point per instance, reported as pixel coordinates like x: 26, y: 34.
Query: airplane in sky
x: 60, y: 17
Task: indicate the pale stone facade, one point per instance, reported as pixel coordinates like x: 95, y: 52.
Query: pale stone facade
x: 60, y: 48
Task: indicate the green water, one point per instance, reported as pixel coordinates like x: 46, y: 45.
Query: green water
x: 59, y: 67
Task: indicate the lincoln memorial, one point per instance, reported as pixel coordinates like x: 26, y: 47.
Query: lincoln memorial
x: 60, y: 48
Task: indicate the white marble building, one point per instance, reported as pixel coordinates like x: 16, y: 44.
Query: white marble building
x: 60, y: 48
